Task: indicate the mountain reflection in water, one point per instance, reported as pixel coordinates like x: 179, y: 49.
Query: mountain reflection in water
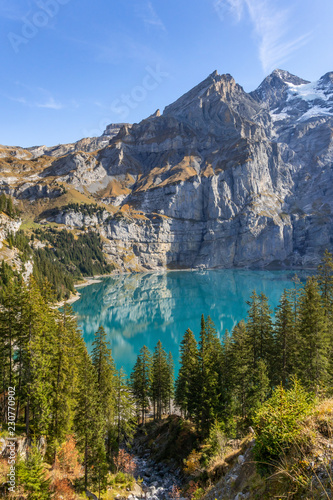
x: 140, y: 309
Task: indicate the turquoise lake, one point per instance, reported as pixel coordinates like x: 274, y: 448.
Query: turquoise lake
x: 140, y: 309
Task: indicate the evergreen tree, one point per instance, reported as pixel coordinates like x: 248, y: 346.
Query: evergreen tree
x: 31, y: 476
x: 285, y: 342
x: 210, y: 365
x: 325, y: 281
x: 141, y: 380
x: 260, y: 331
x: 105, y: 370
x: 160, y: 380
x: 125, y: 421
x: 186, y: 388
x: 260, y: 388
x: 89, y: 422
x: 42, y: 325
x: 294, y: 295
x: 3, y: 202
x: 249, y: 385
x: 64, y: 368
x: 171, y: 381
x: 241, y: 368
x: 314, y: 342
x: 225, y: 377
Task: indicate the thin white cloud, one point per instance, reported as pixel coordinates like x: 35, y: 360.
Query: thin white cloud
x: 271, y: 27
x: 150, y: 17
x: 36, y: 98
x: 234, y: 6
x: 51, y: 103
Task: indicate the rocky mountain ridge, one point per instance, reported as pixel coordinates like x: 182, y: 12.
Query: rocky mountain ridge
x: 222, y: 178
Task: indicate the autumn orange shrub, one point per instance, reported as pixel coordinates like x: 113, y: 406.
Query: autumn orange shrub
x: 65, y: 470
x: 124, y: 462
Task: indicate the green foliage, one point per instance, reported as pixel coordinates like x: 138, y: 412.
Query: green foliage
x: 285, y: 341
x: 7, y: 206
x: 217, y: 440
x: 185, y: 393
x: 278, y: 423
x: 125, y: 418
x: 160, y: 380
x: 6, y: 275
x: 121, y: 480
x: 208, y: 376
x: 21, y: 242
x: 141, y: 378
x: 314, y: 339
x: 84, y: 208
x: 31, y: 476
x: 65, y: 259
x: 106, y: 393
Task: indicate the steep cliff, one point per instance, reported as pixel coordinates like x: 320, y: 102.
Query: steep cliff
x: 222, y: 178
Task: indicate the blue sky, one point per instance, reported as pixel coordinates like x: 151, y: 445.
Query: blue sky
x: 69, y: 67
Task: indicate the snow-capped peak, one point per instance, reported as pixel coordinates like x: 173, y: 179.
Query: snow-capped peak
x: 304, y: 101
x: 309, y: 92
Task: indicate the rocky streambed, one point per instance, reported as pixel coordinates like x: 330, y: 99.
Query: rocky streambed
x: 158, y: 479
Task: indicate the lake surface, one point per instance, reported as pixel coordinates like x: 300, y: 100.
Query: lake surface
x: 140, y: 309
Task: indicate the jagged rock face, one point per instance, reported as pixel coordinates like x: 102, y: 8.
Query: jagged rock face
x: 87, y: 145
x: 221, y: 179
x: 8, y: 225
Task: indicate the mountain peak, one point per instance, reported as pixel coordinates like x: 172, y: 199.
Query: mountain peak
x: 327, y: 79
x: 216, y: 84
x: 286, y: 77
x: 275, y: 85
x: 281, y: 76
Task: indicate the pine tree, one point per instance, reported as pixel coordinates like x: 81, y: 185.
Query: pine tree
x: 260, y: 388
x: 89, y: 422
x: 125, y: 421
x: 64, y: 372
x: 9, y: 208
x: 42, y: 325
x: 285, y: 342
x: 225, y: 377
x: 141, y: 380
x: 31, y: 476
x: 171, y: 381
x: 3, y: 202
x: 294, y: 295
x: 160, y: 380
x: 314, y: 341
x: 249, y: 386
x: 260, y: 329
x: 325, y: 281
x: 105, y: 370
x: 210, y: 366
x: 185, y: 394
x: 241, y: 369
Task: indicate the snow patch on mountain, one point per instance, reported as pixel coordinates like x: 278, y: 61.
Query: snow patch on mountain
x: 315, y: 111
x: 308, y: 92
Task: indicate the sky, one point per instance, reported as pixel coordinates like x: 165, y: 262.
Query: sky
x: 70, y: 67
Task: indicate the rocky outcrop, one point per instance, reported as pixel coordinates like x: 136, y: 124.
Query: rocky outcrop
x: 86, y: 145
x: 8, y: 225
x: 221, y: 178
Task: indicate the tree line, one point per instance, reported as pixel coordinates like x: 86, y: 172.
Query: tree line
x: 228, y: 379
x: 64, y: 259
x: 61, y: 390
x: 7, y: 206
